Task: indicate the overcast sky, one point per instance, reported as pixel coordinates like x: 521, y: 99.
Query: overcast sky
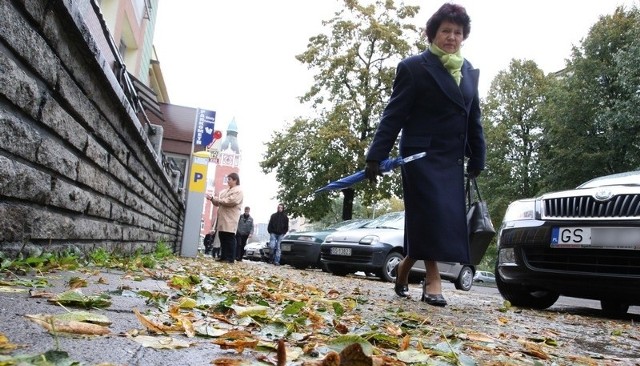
x: 238, y: 58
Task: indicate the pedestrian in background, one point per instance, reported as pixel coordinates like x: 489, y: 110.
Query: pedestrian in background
x: 245, y: 229
x: 277, y: 228
x: 229, y: 204
x: 208, y: 242
x: 435, y: 103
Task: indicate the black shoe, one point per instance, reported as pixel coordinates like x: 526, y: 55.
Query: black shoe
x: 432, y: 299
x: 401, y: 290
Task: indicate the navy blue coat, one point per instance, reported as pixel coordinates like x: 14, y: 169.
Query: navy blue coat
x: 434, y: 115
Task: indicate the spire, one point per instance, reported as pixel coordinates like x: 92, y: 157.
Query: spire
x: 231, y: 139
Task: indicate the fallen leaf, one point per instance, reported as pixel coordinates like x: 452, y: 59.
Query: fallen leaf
x: 5, y: 345
x: 55, y: 325
x: 282, y: 353
x: 534, y: 349
x: 10, y: 289
x: 150, y: 325
x: 161, y: 342
x: 77, y: 282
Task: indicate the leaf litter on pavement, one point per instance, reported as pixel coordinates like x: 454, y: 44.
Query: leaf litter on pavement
x: 265, y: 317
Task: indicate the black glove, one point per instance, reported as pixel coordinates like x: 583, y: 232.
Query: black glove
x: 372, y: 171
x: 473, y: 173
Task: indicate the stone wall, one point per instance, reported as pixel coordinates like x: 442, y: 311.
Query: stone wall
x: 77, y: 170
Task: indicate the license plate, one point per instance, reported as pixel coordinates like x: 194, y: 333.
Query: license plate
x: 285, y: 247
x: 597, y: 237
x: 249, y: 252
x: 340, y: 251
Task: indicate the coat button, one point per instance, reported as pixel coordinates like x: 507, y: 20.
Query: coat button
x: 459, y: 161
x: 461, y: 137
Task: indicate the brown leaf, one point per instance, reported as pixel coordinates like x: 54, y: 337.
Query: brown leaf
x: 404, y: 345
x: 282, y: 353
x: 77, y: 282
x: 353, y: 355
x: 238, y: 344
x: 331, y: 359
x: 535, y: 350
x: 153, y: 327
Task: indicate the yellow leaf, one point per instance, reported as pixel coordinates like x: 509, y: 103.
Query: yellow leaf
x: 11, y: 289
x: 54, y: 325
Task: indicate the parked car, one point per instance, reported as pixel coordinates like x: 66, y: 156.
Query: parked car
x: 255, y: 251
x: 581, y: 243
x: 484, y: 277
x: 302, y: 249
x: 377, y: 248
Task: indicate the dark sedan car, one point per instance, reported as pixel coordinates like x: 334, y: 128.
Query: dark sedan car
x: 581, y: 243
x: 377, y: 248
x: 302, y: 249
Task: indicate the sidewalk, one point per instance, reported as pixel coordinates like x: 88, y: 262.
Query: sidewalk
x: 311, y: 309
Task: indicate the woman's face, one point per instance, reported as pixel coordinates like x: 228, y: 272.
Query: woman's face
x: 449, y: 37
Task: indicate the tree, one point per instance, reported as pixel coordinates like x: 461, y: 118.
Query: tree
x: 593, y: 119
x: 355, y: 66
x: 513, y: 128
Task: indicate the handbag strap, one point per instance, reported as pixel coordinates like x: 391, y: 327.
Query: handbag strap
x: 475, y: 188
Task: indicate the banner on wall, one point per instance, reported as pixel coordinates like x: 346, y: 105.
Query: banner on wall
x: 203, y: 134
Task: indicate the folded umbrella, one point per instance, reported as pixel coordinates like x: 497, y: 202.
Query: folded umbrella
x: 385, y: 166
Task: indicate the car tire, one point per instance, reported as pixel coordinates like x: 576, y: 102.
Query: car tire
x: 387, y: 272
x: 464, y: 281
x: 338, y: 270
x: 524, y: 296
x: 614, y: 308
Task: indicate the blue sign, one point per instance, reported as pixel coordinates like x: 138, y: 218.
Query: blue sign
x: 204, y: 128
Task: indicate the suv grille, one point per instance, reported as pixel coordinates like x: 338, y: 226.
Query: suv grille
x: 606, y: 262
x: 621, y: 206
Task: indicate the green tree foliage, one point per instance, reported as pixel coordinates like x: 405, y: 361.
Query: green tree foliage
x: 593, y: 116
x: 513, y: 129
x: 354, y: 64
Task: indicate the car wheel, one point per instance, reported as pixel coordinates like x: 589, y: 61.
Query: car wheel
x: 338, y: 270
x: 388, y: 274
x: 614, y: 308
x: 525, y: 296
x: 465, y: 279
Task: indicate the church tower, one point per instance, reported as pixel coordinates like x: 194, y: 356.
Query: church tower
x: 226, y: 162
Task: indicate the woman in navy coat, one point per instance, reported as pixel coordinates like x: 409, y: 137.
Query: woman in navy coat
x: 435, y: 107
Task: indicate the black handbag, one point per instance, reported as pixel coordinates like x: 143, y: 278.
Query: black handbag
x: 481, y: 230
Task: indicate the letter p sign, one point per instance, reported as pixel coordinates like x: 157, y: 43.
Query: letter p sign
x: 198, y: 181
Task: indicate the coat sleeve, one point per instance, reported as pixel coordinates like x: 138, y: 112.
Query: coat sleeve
x: 476, y: 146
x: 394, y: 115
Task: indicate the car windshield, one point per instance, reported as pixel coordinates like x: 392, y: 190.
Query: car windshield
x: 393, y: 220
x: 347, y: 225
x: 628, y: 178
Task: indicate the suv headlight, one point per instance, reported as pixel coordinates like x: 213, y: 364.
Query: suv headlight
x: 328, y: 239
x: 520, y: 210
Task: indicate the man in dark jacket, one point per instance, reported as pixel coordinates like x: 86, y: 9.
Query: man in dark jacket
x: 245, y: 229
x: 277, y: 228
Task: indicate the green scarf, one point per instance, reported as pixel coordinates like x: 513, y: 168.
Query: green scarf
x: 451, y: 61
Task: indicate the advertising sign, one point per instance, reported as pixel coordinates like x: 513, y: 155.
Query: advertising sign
x: 203, y: 134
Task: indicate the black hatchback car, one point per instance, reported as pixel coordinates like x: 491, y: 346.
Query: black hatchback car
x: 581, y: 243
x: 301, y: 249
